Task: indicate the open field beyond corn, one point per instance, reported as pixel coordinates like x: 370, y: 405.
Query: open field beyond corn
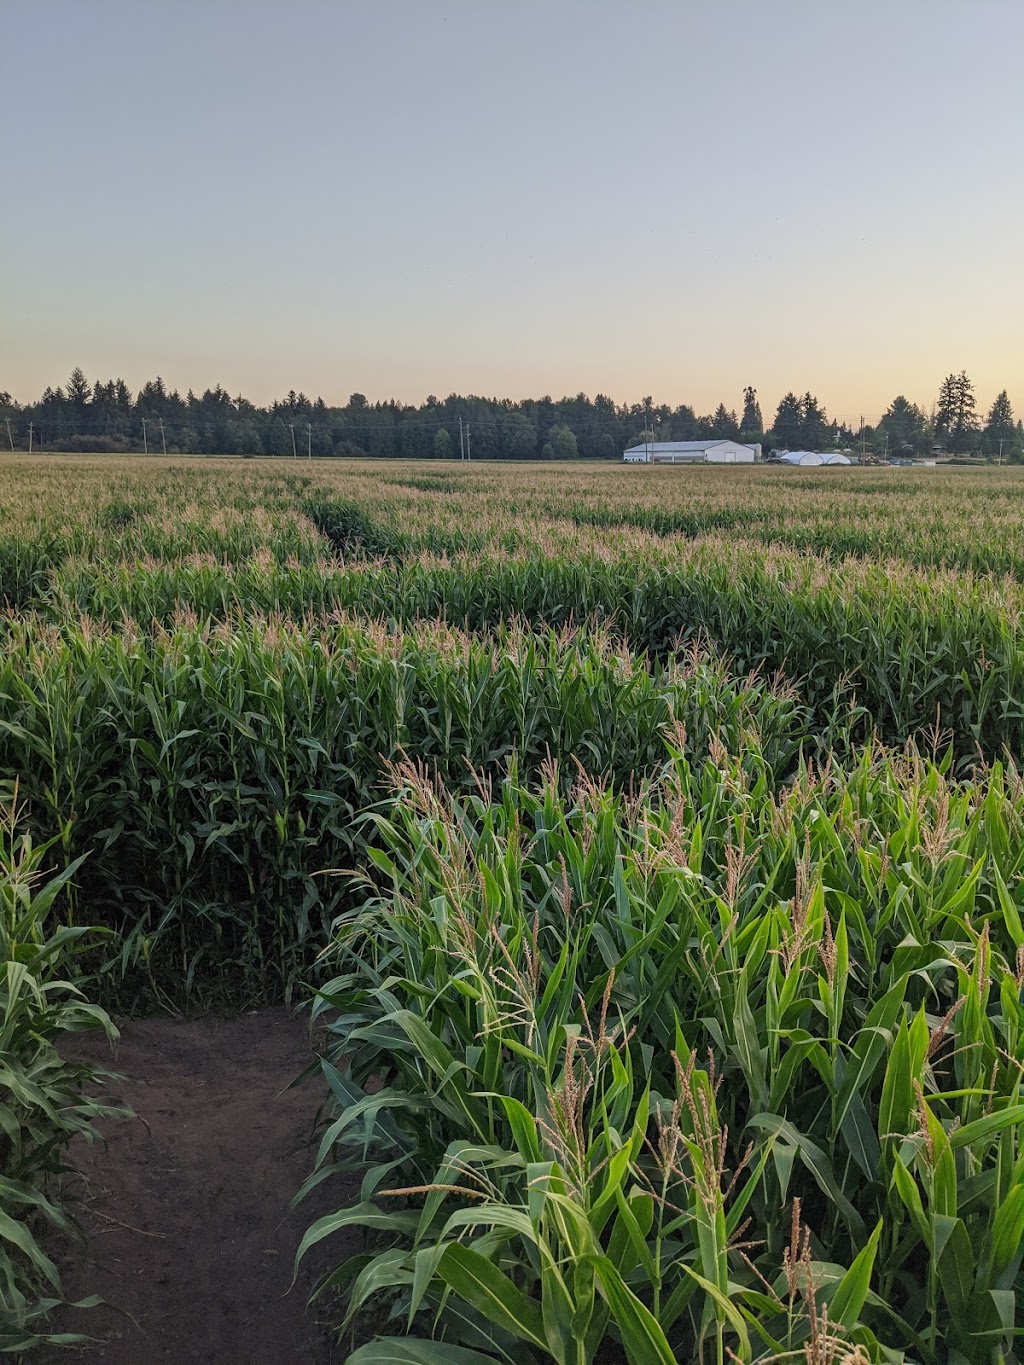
x: 646, y: 845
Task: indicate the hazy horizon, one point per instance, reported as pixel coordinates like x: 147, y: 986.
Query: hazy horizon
x: 413, y: 198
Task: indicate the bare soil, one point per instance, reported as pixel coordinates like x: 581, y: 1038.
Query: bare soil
x: 190, y: 1237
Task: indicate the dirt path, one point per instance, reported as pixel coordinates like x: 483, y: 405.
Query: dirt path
x: 186, y: 1207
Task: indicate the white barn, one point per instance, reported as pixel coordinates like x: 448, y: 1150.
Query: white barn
x: 692, y: 452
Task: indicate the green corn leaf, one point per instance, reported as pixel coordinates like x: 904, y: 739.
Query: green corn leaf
x: 954, y: 1257
x: 19, y: 1235
x: 1007, y: 1232
x: 725, y: 1310
x: 897, y: 1091
x: 490, y: 1291
x: 979, y: 1130
x: 993, y: 1315
x: 359, y: 1215
x: 1009, y: 908
x: 814, y: 1159
x: 906, y: 1188
x: 523, y: 1125
x: 846, y: 1302
x: 643, y: 1339
x: 872, y: 1041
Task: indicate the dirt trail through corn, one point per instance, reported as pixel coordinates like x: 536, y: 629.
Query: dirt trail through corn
x: 190, y: 1237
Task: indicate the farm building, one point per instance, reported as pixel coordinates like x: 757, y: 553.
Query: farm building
x: 813, y: 457
x: 692, y: 452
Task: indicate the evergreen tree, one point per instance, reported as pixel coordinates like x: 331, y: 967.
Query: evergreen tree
x: 903, y: 427
x: 724, y: 424
x: 956, y: 423
x: 751, y: 423
x: 813, y: 423
x: 78, y: 390
x: 1000, y: 435
x: 787, y: 430
x: 683, y: 424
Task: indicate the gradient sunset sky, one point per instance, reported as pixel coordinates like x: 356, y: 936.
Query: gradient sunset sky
x: 404, y: 197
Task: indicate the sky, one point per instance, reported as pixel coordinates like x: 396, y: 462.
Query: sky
x: 515, y: 197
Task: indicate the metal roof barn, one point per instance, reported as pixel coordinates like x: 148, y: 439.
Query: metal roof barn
x: 692, y: 452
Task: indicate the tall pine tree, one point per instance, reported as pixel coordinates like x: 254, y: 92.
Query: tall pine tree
x: 751, y: 423
x: 1000, y: 435
x: 787, y: 430
x: 956, y: 423
x: 814, y: 424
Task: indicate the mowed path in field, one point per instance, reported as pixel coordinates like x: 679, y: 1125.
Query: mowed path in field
x: 191, y: 1240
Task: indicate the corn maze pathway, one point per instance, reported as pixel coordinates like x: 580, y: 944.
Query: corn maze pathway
x: 191, y: 1240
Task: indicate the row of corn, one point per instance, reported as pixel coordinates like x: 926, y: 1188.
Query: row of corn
x: 702, y: 1071
x: 213, y: 775
x: 915, y: 651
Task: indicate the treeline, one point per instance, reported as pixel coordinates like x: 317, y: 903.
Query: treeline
x: 905, y: 429
x: 107, y: 416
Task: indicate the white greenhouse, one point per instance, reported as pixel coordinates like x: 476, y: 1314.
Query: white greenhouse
x: 812, y: 457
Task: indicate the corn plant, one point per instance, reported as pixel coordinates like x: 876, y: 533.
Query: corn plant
x: 760, y: 1050
x: 43, y: 1100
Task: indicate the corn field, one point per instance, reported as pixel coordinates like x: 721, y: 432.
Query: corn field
x: 647, y: 844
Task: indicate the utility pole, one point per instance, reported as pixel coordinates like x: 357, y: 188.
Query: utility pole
x: 30, y: 438
x: 462, y: 442
x: 295, y: 453
x: 9, y: 436
x: 862, y: 440
x: 1000, y: 461
x: 309, y: 440
x: 469, y: 444
x: 163, y: 439
x: 145, y: 438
